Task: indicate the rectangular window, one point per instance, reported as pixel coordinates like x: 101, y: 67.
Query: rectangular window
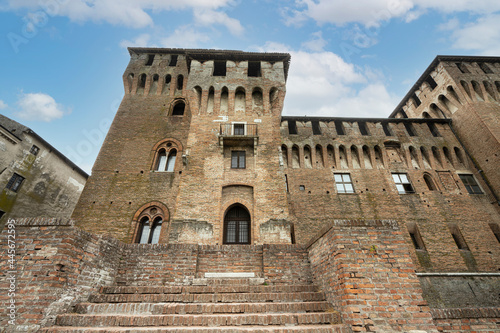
x: 363, y: 129
x: 151, y: 58
x: 458, y: 238
x: 238, y: 129
x: 433, y: 129
x: 238, y: 159
x: 315, y: 127
x: 34, y: 150
x: 254, y: 69
x: 219, y: 68
x: 387, y: 129
x: 173, y: 60
x: 15, y: 182
x: 470, y: 184
x: 410, y: 129
x: 339, y: 128
x: 431, y: 82
x: 343, y: 183
x: 402, y: 183
x: 292, y: 127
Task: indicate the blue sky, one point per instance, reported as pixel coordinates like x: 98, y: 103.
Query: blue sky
x: 62, y: 60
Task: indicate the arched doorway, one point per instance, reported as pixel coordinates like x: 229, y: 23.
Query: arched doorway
x: 237, y: 226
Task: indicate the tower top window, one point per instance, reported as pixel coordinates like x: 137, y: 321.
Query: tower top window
x: 219, y: 68
x: 254, y: 69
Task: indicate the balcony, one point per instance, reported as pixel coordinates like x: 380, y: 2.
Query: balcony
x: 238, y: 134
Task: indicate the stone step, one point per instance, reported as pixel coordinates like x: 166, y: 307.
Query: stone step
x: 337, y: 328
x: 212, y: 289
x: 208, y: 298
x: 211, y: 320
x: 201, y: 308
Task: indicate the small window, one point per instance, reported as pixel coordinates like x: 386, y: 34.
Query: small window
x: 219, y: 68
x: 485, y: 68
x: 387, y: 129
x: 286, y: 183
x: 339, y: 127
x: 416, y: 99
x: 458, y: 238
x: 254, y: 69
x: 343, y: 183
x: 148, y: 234
x: 180, y: 82
x: 402, y: 183
x: 363, y: 129
x: 433, y: 129
x: 151, y: 58
x: 178, y: 109
x: 493, y: 226
x: 431, y: 82
x: 15, y: 182
x: 237, y: 159
x: 462, y: 68
x: 292, y: 127
x: 429, y: 182
x: 415, y: 236
x: 173, y: 60
x: 161, y: 161
x: 315, y: 127
x: 410, y: 129
x: 238, y: 129
x: 34, y: 150
x: 470, y: 184
x: 302, y: 188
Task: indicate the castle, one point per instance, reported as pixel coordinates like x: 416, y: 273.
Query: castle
x: 201, y: 180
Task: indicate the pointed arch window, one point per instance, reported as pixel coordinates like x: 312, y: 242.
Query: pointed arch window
x: 149, y: 233
x: 165, y: 156
x: 171, y: 160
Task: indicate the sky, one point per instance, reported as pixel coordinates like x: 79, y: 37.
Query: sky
x: 62, y: 61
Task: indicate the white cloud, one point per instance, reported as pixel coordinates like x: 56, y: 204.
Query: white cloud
x: 129, y: 13
x: 39, y: 106
x: 208, y: 17
x: 185, y: 37
x: 139, y: 41
x: 374, y: 12
x: 3, y: 105
x: 317, y: 43
x: 482, y: 36
x: 323, y: 84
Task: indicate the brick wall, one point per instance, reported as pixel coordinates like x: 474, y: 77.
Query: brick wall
x: 366, y: 270
x: 58, y: 265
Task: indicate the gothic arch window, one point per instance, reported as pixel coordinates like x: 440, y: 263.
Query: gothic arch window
x: 165, y: 156
x: 237, y: 225
x: 429, y: 182
x: 149, y: 223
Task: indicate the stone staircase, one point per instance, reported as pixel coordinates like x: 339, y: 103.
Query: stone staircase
x: 225, y: 305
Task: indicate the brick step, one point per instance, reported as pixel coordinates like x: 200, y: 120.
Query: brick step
x: 228, y: 281
x: 210, y: 289
x: 82, y: 320
x: 336, y: 328
x: 208, y: 298
x: 201, y: 308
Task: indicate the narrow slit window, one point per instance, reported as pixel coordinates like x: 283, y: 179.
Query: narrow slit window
x: 458, y: 238
x: 316, y: 128
x: 415, y: 236
x: 339, y: 127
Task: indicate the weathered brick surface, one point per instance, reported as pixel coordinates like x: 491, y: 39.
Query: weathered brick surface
x: 366, y: 270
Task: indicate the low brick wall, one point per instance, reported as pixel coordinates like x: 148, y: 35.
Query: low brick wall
x: 56, y: 266
x: 365, y: 269
x: 467, y: 320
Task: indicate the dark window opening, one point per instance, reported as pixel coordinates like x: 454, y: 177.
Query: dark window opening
x: 458, y: 238
x: 173, y: 60
x: 403, y: 113
x: 286, y: 182
x: 178, y: 109
x: 363, y: 128
x: 15, y: 182
x: 416, y: 99
x: 315, y: 127
x: 142, y: 81
x: 219, y: 68
x: 180, y: 82
x: 494, y: 227
x: 168, y: 78
x: 485, y: 68
x: 433, y: 129
x: 34, y: 150
x: 416, y: 239
x: 431, y: 82
x: 2, y: 213
x: 237, y: 226
x: 238, y: 129
x: 387, y: 129
x: 339, y: 127
x: 470, y: 184
x: 462, y: 68
x: 151, y: 58
x: 410, y: 129
x: 292, y: 127
x: 430, y: 184
x: 254, y: 69
x: 237, y: 159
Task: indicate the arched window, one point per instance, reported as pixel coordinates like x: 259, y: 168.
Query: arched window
x: 237, y: 226
x: 178, y: 109
x: 161, y: 161
x: 429, y: 182
x: 180, y: 82
x: 149, y: 233
x: 172, y: 155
